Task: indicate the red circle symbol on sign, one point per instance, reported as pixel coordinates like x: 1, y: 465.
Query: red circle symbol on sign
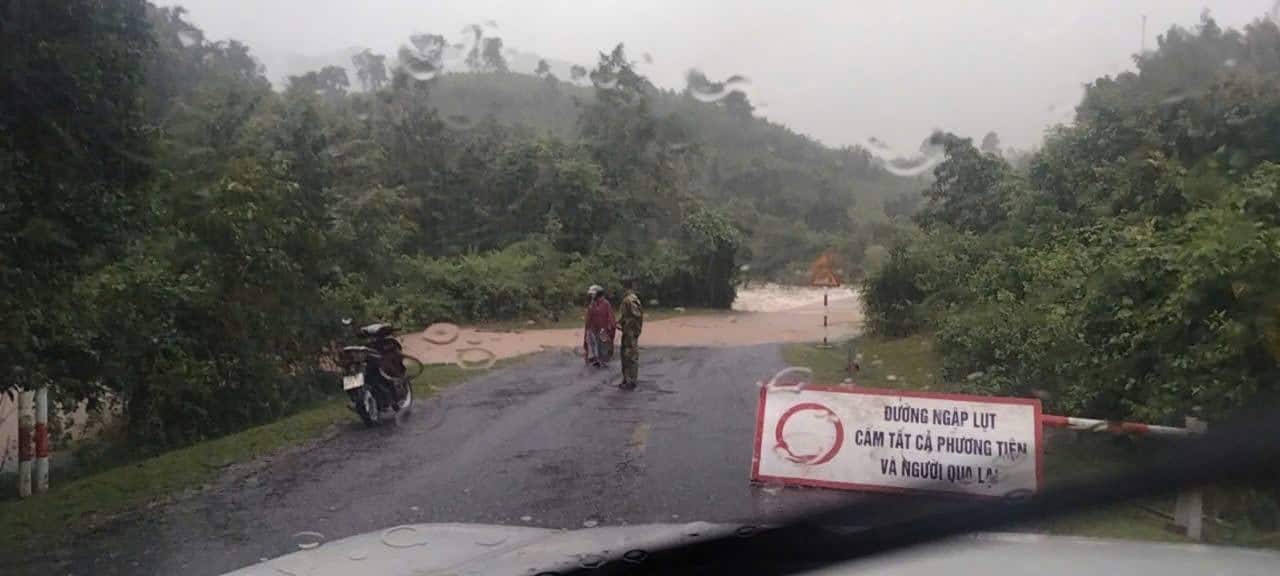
x: 811, y: 459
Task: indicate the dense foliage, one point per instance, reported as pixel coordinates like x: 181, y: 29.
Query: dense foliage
x: 182, y: 237
x: 1133, y: 269
x: 791, y: 197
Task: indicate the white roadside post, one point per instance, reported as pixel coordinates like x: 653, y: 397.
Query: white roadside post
x: 42, y: 439
x: 25, y: 424
x: 822, y: 274
x: 1188, y: 511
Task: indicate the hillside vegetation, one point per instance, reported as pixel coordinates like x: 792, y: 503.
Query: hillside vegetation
x: 791, y: 196
x: 182, y: 238
x: 1131, y: 270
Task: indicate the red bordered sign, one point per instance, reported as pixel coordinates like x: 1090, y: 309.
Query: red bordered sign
x: 898, y: 441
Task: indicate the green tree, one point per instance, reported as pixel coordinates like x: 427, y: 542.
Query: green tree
x: 991, y: 144
x: 970, y: 188
x: 76, y: 158
x: 618, y: 125
x: 493, y: 59
x: 180, y: 236
x: 475, y: 54
x: 1127, y: 275
x: 330, y: 82
x: 371, y: 70
x: 737, y: 104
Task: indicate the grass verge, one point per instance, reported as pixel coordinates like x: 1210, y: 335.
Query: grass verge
x: 82, y: 503
x: 906, y: 363
x: 912, y: 363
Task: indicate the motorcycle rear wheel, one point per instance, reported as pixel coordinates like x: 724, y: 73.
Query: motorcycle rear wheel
x: 407, y: 401
x: 366, y: 406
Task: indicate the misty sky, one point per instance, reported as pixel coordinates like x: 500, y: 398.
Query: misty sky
x: 840, y: 71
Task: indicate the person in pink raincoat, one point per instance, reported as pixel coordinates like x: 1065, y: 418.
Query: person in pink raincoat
x: 598, y: 335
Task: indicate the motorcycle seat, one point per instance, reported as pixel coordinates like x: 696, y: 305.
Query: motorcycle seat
x: 378, y: 330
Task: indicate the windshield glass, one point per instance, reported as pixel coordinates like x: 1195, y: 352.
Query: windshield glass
x: 457, y: 275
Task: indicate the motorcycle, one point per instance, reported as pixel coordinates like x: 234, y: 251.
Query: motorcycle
x: 374, y: 374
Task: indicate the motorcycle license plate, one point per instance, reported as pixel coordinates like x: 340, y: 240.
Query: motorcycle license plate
x: 352, y: 381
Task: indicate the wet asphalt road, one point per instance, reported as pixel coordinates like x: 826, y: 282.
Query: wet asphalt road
x: 546, y: 442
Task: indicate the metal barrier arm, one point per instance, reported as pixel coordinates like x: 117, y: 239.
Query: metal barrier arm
x: 1113, y: 427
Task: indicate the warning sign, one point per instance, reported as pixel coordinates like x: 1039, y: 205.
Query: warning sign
x: 897, y: 441
x: 823, y: 271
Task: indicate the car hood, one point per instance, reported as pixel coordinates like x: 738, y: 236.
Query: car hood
x: 489, y: 549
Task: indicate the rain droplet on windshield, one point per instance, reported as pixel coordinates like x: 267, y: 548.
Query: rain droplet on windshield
x: 421, y: 74
x: 590, y: 523
x: 771, y: 487
x: 188, y: 38
x: 635, y: 556
x: 358, y: 554
x: 909, y: 167
x: 591, y: 561
x: 704, y: 90
x: 403, y: 537
x: 792, y: 379
x: 308, y: 540
x: 490, y: 542
x: 423, y: 58
x: 930, y: 153
x: 1018, y: 495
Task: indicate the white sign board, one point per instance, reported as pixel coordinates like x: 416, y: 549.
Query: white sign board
x: 897, y: 441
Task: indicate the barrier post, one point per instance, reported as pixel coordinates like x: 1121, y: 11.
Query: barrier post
x: 1188, y: 512
x: 848, y: 363
x: 26, y: 421
x: 42, y: 439
x: 825, y: 293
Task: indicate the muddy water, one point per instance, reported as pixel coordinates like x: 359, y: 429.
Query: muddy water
x: 763, y: 314
x: 777, y: 298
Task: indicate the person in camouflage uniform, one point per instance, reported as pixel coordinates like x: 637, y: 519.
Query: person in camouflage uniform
x: 632, y: 321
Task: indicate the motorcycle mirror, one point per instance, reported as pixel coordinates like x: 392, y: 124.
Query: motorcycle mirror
x: 346, y: 321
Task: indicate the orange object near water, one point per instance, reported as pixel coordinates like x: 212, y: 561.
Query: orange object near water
x: 823, y: 271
